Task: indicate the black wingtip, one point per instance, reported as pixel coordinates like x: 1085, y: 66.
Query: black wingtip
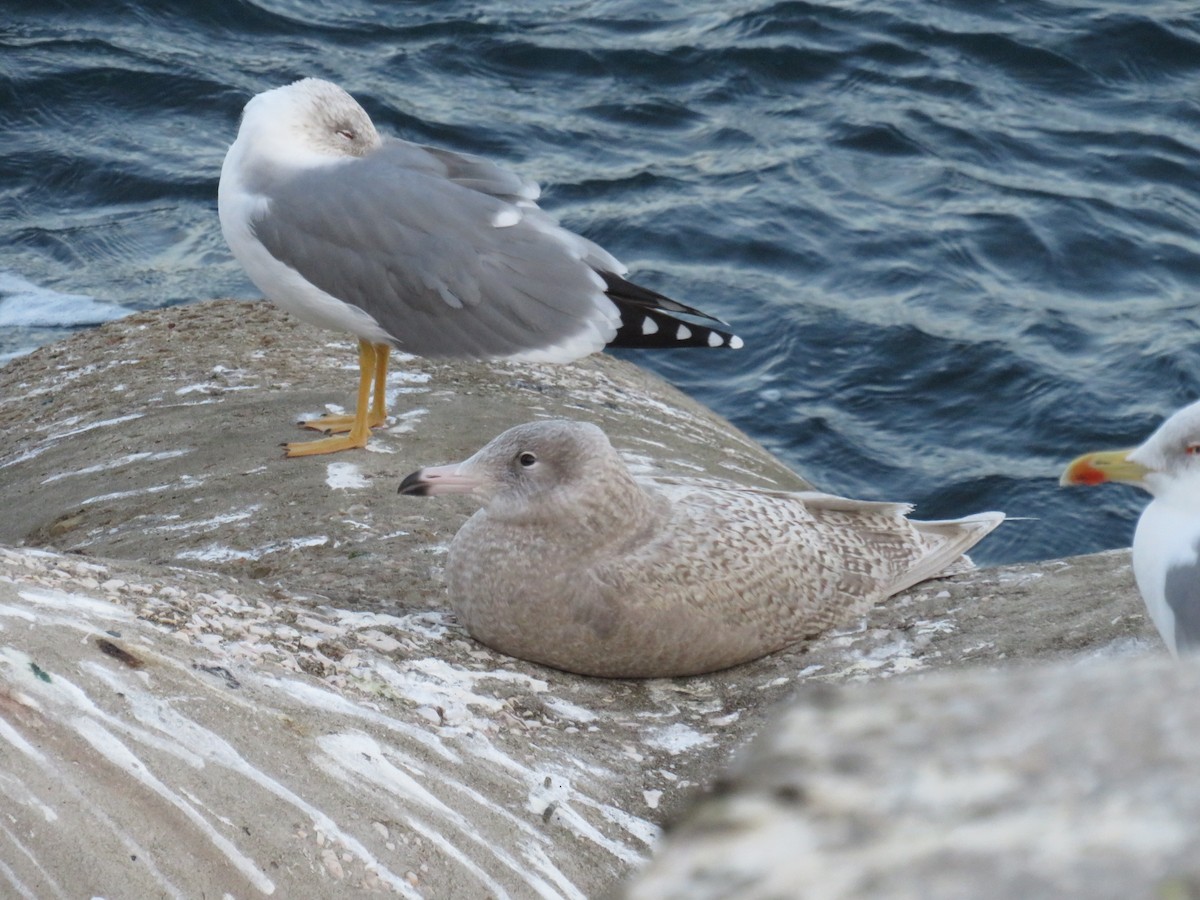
x: 651, y: 320
x: 628, y: 295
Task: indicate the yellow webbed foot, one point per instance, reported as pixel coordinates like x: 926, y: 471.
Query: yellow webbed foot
x: 334, y: 423
x: 326, y: 445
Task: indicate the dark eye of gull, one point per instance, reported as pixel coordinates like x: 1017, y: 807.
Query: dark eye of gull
x: 346, y: 133
x: 526, y: 459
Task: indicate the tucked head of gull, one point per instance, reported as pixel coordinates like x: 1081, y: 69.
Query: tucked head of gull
x: 575, y: 564
x: 1166, y: 543
x: 433, y: 252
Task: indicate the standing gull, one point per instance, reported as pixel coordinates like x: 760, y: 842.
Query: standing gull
x: 1166, y: 543
x: 429, y: 251
x: 574, y: 564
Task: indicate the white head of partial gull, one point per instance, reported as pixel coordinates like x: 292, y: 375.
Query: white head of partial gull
x: 575, y: 564
x: 433, y: 252
x: 1166, y: 543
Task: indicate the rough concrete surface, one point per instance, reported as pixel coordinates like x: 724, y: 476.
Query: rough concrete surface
x: 1037, y: 782
x: 224, y: 672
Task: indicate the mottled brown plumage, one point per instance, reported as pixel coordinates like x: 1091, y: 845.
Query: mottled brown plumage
x: 574, y: 564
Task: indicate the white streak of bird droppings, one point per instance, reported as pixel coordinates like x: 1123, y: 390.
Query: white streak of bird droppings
x: 101, y: 424
x: 363, y: 756
x: 216, y: 553
x: 646, y: 832
x: 886, y: 660
x: 570, y: 711
x: 75, y: 605
x: 537, y: 856
x: 546, y: 792
x: 344, y: 476
x: 65, y: 784
x: 209, y: 387
x: 495, y: 890
x: 14, y: 737
x: 185, y: 482
x: 211, y: 748
x: 676, y: 738
x: 121, y: 495
x: 210, y: 524
x: 77, y: 710
x: 550, y: 798
x: 328, y: 701
x: 409, y: 377
x: 438, y: 684
x: 17, y: 885
x: 934, y: 626
x: 407, y: 422
x: 360, y: 757
x: 1019, y: 578
x: 25, y: 456
x: 107, y: 745
x: 14, y: 612
x: 119, y: 463
x: 431, y: 625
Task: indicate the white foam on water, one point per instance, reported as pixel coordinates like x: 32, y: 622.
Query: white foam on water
x: 25, y: 304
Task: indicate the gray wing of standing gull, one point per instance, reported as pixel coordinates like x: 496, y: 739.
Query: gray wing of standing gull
x: 1182, y: 589
x: 464, y: 169
x: 446, y: 251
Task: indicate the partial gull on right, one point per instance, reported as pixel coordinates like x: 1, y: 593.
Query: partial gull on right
x: 574, y: 564
x: 1166, y: 543
x: 420, y: 249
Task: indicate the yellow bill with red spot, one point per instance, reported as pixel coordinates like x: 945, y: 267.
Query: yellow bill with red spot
x: 1102, y: 466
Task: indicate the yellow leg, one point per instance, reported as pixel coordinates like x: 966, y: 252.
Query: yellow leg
x: 332, y: 423
x: 372, y: 366
x: 379, y: 406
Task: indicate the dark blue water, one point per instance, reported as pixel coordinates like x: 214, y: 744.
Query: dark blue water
x: 959, y: 238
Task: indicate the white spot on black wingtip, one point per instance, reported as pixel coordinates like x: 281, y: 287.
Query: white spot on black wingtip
x: 683, y: 333
x: 714, y: 339
x: 735, y: 342
x: 649, y: 326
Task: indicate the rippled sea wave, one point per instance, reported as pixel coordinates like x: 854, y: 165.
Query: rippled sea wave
x: 959, y: 238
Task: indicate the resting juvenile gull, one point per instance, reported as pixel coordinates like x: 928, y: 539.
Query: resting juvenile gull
x: 1166, y: 543
x: 573, y: 564
x: 433, y: 252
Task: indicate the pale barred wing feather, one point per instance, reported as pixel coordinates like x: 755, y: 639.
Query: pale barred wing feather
x: 810, y: 560
x: 952, y: 537
x: 681, y: 485
x: 431, y: 246
x: 950, y: 540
